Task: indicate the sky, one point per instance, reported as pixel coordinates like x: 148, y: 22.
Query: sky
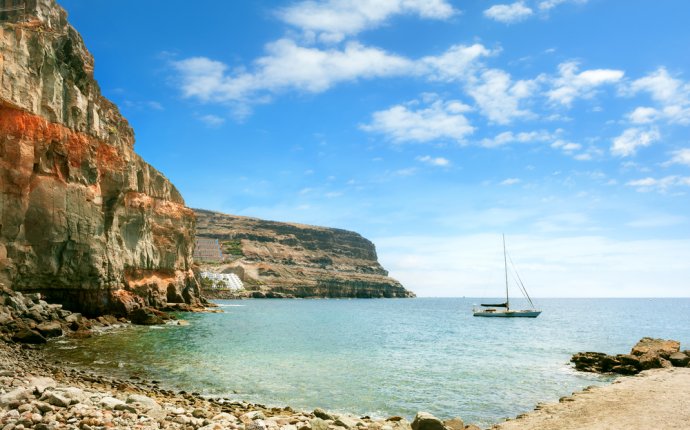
x: 430, y: 127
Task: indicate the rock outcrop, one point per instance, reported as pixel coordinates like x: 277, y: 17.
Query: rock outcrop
x: 83, y: 219
x: 282, y: 259
x: 648, y: 353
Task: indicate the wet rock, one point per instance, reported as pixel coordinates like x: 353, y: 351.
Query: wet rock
x: 144, y: 316
x: 29, y: 336
x: 426, y: 421
x: 50, y: 329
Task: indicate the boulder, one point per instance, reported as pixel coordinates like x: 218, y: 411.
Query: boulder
x: 650, y: 360
x: 347, y: 422
x: 40, y: 384
x: 144, y: 316
x: 426, y: 421
x: 50, y: 329
x: 455, y: 424
x: 318, y: 424
x: 147, y: 405
x: 26, y: 335
x: 679, y: 359
x: 662, y: 347
x: 55, y: 399
x: 15, y: 396
x: 320, y: 413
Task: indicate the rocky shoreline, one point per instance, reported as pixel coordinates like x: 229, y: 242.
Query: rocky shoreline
x: 36, y: 393
x: 43, y: 395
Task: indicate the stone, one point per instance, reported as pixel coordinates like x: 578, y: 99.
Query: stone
x: 679, y: 359
x: 111, y: 402
x: 41, y: 383
x: 426, y: 421
x: 662, y: 347
x: 666, y: 364
x: 251, y: 416
x: 55, y: 399
x: 50, y: 329
x: 320, y: 413
x: 625, y: 369
x: 17, y: 395
x: 454, y: 424
x: 28, y: 336
x: 650, y: 360
x: 472, y: 427
x: 147, y: 404
x: 318, y: 424
x: 347, y: 422
x: 199, y: 413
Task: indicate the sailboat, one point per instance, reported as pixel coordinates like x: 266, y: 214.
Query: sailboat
x: 503, y: 309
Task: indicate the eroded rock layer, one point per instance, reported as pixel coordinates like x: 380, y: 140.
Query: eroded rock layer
x: 298, y: 260
x: 83, y: 219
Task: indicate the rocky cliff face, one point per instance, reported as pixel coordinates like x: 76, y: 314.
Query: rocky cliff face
x: 83, y: 219
x: 299, y: 260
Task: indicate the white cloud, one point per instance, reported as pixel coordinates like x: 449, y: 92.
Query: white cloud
x: 659, y: 184
x: 672, y: 95
x: 288, y: 66
x: 434, y: 161
x: 628, y: 143
x: 508, y: 13
x: 643, y: 115
x: 662, y: 87
x: 212, y: 120
x: 458, y: 62
x: 508, y: 137
x: 333, y: 20
x: 510, y: 181
x: 567, y: 147
x: 571, y: 85
x: 547, y: 5
x: 438, y: 121
x: 681, y: 156
x: 498, y: 97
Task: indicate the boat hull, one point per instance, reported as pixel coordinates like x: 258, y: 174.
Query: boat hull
x: 507, y: 314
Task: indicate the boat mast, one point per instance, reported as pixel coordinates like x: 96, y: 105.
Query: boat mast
x: 505, y: 264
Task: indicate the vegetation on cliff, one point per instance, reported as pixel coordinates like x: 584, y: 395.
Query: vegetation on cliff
x: 277, y: 259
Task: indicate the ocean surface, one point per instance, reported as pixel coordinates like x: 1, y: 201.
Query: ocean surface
x: 383, y: 357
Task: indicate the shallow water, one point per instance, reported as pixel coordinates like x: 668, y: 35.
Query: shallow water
x: 383, y: 357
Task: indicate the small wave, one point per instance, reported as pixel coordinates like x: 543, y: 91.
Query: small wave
x: 230, y: 306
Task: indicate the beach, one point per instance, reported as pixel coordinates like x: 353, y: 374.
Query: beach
x: 653, y: 399
x: 42, y: 395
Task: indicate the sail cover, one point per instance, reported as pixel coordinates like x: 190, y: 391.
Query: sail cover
x: 496, y: 305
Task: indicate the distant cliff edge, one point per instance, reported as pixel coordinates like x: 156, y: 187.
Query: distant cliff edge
x: 275, y: 258
x: 83, y: 219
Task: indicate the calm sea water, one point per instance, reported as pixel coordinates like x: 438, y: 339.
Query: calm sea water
x: 383, y: 357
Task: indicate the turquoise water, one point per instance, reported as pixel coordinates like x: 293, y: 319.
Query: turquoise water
x: 384, y: 357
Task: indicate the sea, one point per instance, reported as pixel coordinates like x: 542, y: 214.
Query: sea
x: 382, y: 357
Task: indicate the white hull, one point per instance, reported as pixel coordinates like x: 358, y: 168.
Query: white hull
x: 508, y: 314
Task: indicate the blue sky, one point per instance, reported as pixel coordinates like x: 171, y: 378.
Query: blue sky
x: 428, y: 126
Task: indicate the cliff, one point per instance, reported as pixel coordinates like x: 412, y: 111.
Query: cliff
x: 298, y: 260
x: 83, y: 219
